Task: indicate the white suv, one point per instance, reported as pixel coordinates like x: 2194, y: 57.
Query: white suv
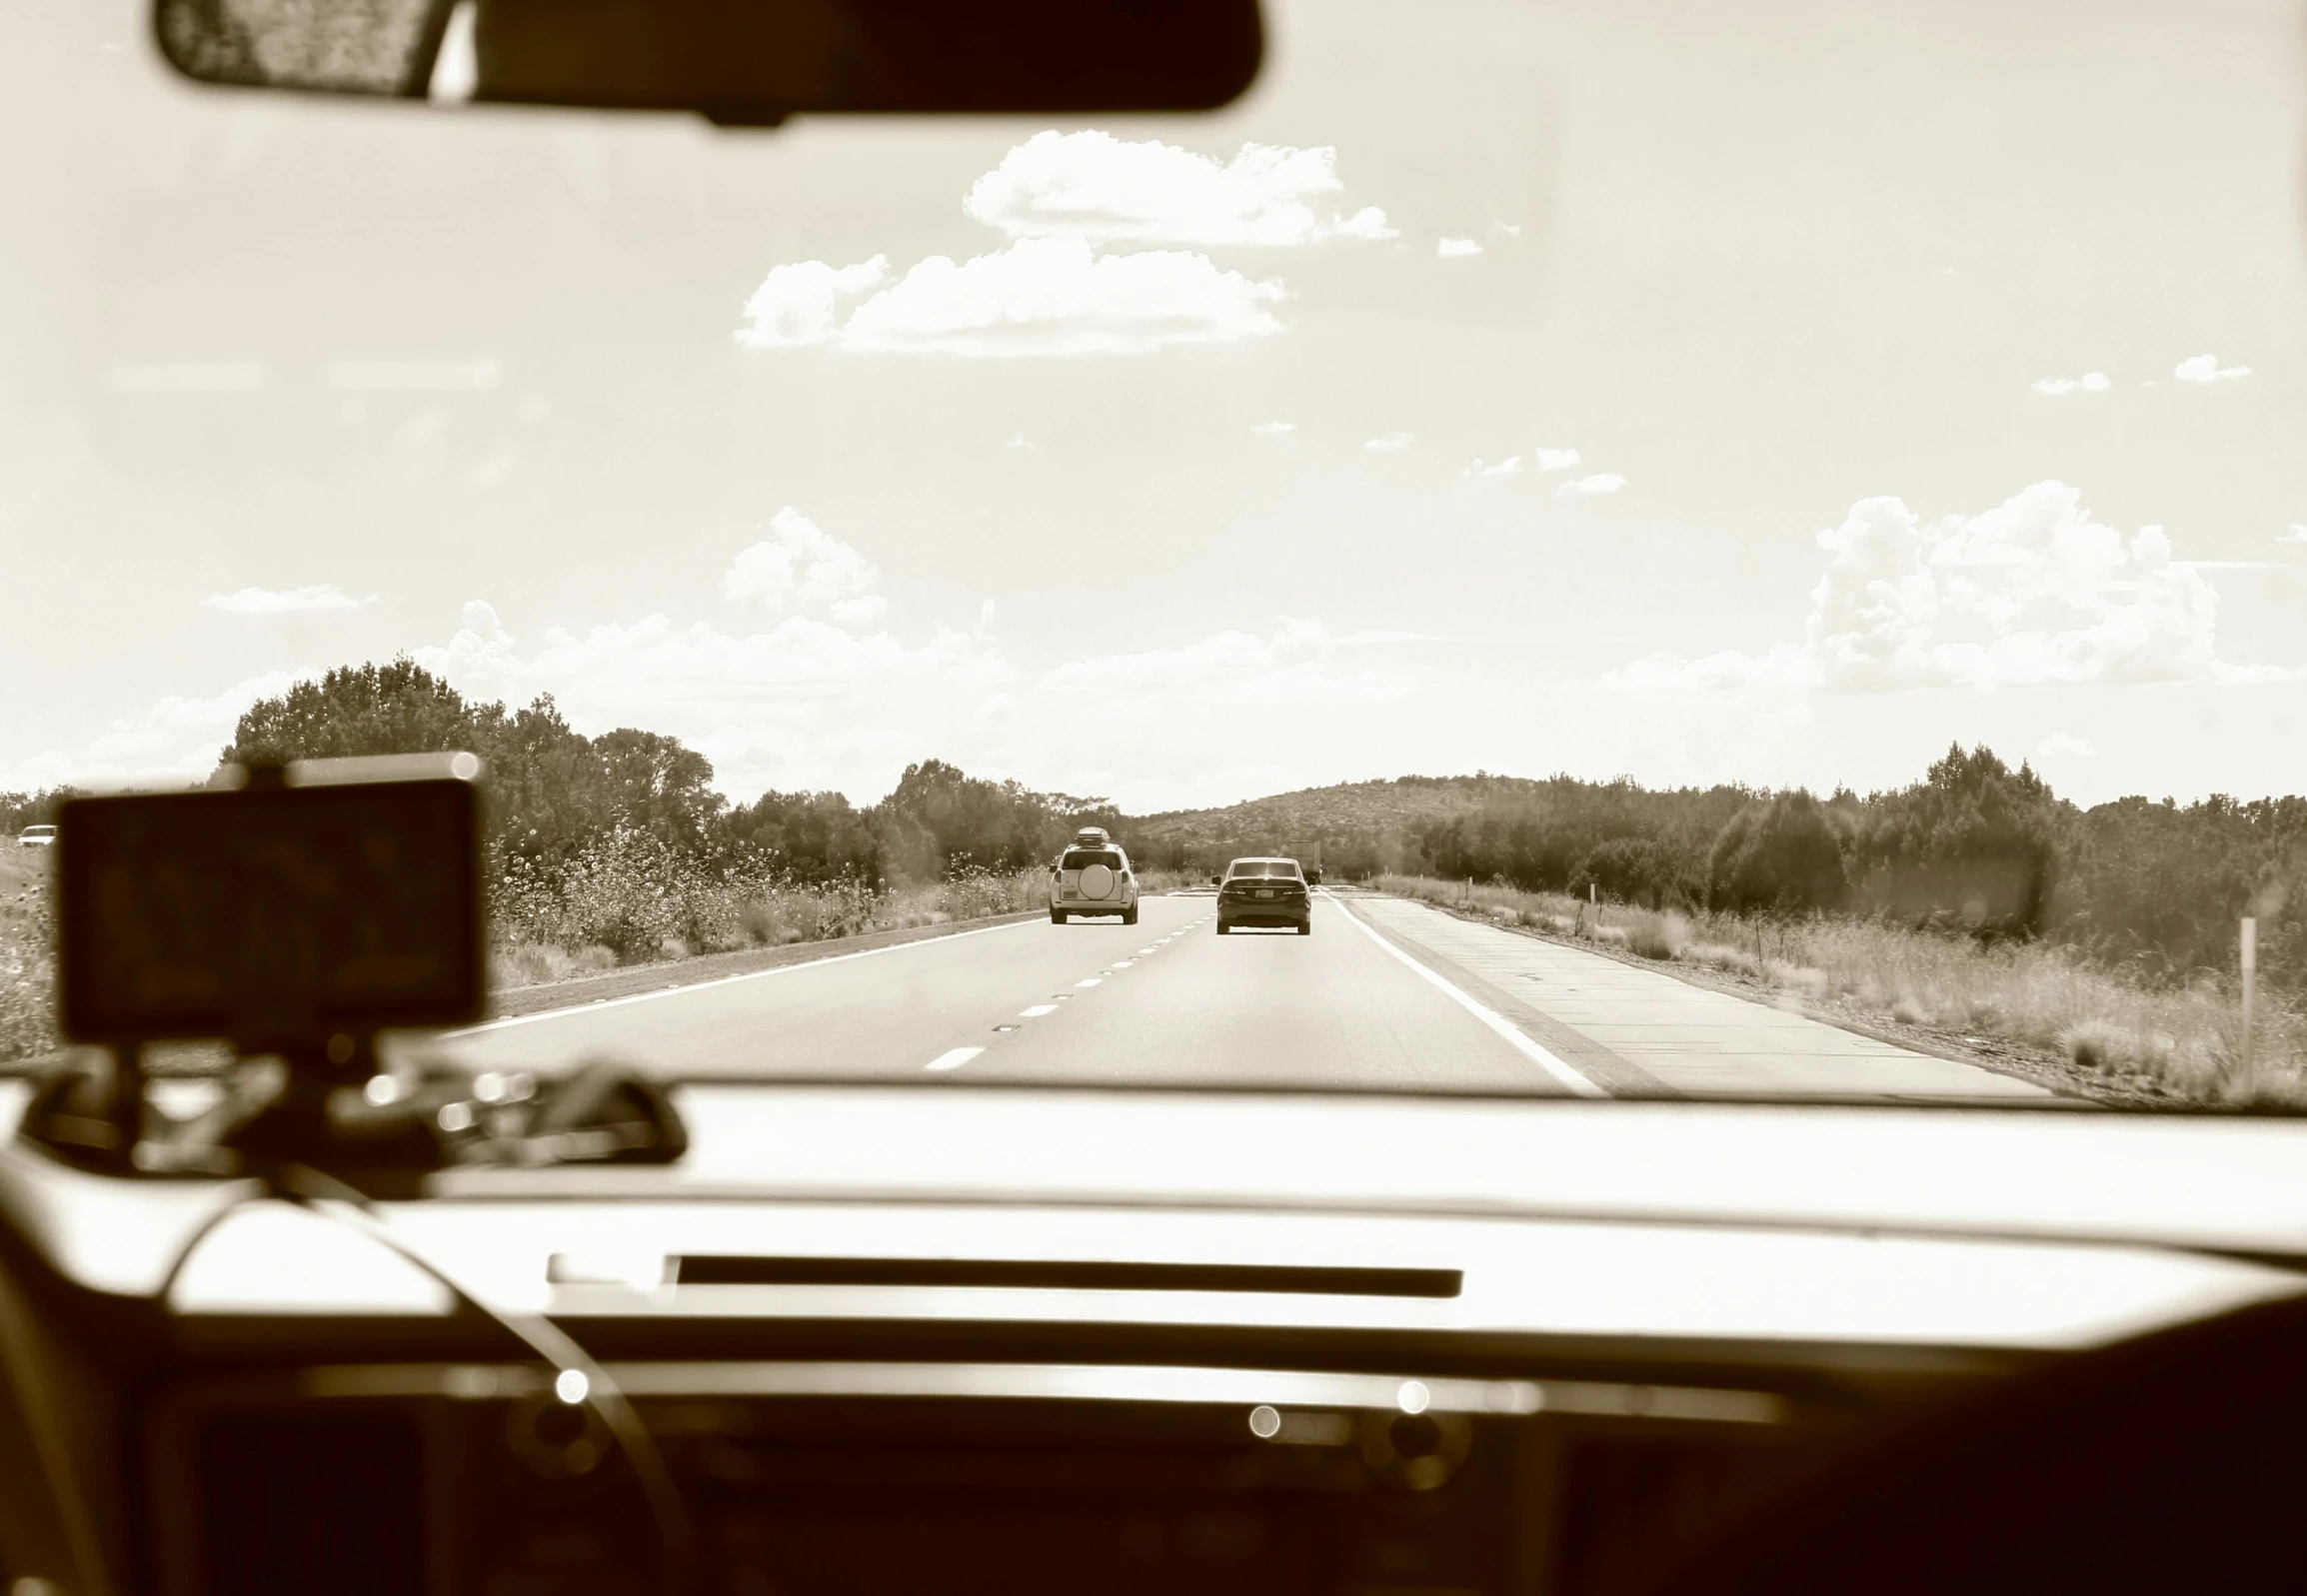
x: 1093, y: 877
x: 36, y: 837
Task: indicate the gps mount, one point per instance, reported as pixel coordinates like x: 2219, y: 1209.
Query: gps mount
x: 295, y: 911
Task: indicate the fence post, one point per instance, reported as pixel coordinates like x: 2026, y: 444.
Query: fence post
x: 2250, y: 967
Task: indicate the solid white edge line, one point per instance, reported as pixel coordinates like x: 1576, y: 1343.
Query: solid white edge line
x: 1508, y: 1030
x: 953, y: 1058
x: 720, y: 980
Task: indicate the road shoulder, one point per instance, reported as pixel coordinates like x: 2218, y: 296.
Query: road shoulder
x: 1693, y: 1037
x: 511, y: 1003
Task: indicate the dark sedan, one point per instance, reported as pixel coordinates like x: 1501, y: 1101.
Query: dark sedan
x: 1264, y: 891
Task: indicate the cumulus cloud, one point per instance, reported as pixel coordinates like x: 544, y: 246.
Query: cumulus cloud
x: 1555, y: 459
x: 809, y: 700
x: 2206, y: 369
x: 810, y: 703
x: 2088, y: 383
x: 806, y: 302
x: 1512, y: 466
x: 655, y: 665
x: 1274, y: 429
x: 2064, y: 744
x: 2295, y: 533
x: 1390, y: 443
x: 801, y: 567
x: 1454, y: 249
x: 1295, y: 666
x: 1039, y: 296
x: 1048, y: 292
x: 812, y: 690
x: 284, y: 601
x: 1594, y: 487
x: 1094, y: 186
x: 2032, y: 593
x: 176, y: 740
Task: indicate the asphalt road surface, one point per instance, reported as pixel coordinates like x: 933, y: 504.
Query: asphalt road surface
x: 1385, y: 993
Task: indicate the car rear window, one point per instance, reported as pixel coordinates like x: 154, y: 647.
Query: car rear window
x: 1080, y: 861
x: 1265, y: 866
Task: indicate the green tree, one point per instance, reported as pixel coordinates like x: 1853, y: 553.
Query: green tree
x: 1782, y: 853
x: 355, y: 710
x: 551, y: 789
x: 1974, y: 844
x: 812, y: 836
x: 656, y: 785
x: 940, y: 818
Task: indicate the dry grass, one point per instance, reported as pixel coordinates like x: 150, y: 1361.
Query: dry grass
x: 636, y: 911
x: 2178, y: 1042
x: 27, y: 952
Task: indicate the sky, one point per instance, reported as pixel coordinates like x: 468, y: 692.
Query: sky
x: 1771, y: 393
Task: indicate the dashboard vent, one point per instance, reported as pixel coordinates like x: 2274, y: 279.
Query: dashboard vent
x: 1060, y: 1276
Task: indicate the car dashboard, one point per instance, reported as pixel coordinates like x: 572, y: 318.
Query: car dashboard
x: 932, y: 1341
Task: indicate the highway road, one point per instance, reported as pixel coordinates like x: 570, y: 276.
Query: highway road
x: 1386, y: 994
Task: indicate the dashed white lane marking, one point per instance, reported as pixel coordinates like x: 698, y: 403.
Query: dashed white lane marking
x: 1092, y: 981
x: 1123, y: 963
x: 599, y: 1004
x: 1037, y: 1012
x: 951, y: 1058
x: 1508, y: 1030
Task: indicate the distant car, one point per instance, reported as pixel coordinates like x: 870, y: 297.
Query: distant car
x: 1264, y: 891
x: 36, y: 837
x: 1092, y: 878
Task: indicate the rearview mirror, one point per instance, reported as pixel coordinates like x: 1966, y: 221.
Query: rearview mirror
x: 738, y: 62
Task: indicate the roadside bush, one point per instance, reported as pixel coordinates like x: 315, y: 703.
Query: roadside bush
x: 1634, y: 870
x: 1657, y: 935
x: 27, y: 958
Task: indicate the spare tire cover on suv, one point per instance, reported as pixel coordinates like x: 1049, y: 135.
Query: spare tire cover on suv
x: 1097, y: 882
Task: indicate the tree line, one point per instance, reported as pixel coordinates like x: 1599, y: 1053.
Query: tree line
x: 554, y: 793
x: 1975, y: 847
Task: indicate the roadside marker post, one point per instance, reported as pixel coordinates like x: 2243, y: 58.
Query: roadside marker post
x: 2250, y: 969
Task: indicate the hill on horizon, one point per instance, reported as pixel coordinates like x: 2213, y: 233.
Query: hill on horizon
x: 1359, y: 824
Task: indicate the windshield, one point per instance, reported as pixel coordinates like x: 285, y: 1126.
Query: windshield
x: 1761, y: 548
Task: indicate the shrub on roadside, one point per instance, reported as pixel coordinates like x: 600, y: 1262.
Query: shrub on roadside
x: 630, y: 898
x: 1658, y: 936
x: 27, y: 962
